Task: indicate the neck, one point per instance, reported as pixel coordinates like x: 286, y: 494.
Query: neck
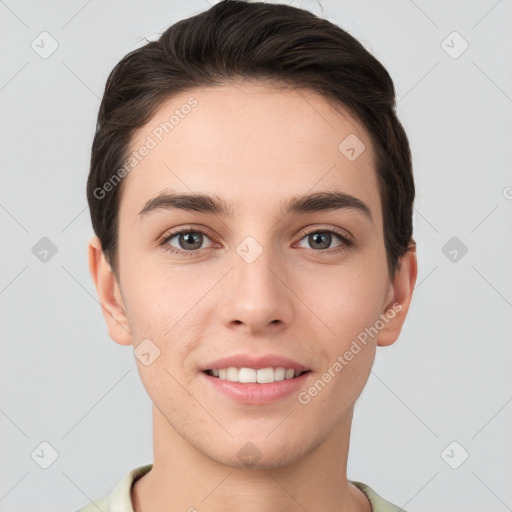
x: 184, y: 479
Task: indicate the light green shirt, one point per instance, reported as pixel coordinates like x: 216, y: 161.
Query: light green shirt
x: 119, y: 500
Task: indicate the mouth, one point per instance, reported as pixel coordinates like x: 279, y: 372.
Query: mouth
x: 256, y: 386
x: 254, y: 376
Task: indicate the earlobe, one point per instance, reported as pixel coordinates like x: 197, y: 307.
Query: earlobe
x: 109, y: 294
x: 399, y: 298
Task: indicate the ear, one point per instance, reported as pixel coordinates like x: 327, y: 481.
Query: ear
x: 109, y: 294
x: 398, y: 299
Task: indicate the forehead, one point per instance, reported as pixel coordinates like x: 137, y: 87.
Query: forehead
x: 246, y: 140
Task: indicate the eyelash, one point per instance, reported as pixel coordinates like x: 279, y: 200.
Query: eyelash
x: 345, y: 245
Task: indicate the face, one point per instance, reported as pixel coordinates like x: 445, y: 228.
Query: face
x: 255, y: 278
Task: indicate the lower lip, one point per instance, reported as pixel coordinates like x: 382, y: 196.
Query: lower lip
x: 253, y: 393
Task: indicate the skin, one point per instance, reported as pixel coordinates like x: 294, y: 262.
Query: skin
x: 254, y: 146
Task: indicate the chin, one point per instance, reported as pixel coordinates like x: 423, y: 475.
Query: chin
x: 260, y: 452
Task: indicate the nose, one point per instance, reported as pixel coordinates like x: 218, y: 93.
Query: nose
x: 257, y: 295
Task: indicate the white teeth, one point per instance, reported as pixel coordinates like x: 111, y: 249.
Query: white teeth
x: 232, y: 374
x: 251, y: 375
x: 263, y: 375
x: 279, y: 373
x: 245, y: 374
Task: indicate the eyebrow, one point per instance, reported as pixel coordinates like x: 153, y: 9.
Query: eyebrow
x: 315, y: 202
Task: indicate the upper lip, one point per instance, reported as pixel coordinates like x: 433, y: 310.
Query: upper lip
x: 256, y: 362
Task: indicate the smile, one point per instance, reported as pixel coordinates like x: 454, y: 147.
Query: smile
x: 252, y: 375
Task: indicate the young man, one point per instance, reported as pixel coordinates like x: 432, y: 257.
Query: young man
x: 251, y: 191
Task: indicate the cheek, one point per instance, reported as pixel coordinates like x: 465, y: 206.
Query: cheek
x: 156, y: 298
x: 348, y: 302
x: 170, y: 308
x: 349, y: 308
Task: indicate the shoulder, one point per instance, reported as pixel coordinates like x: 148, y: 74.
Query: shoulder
x: 100, y: 505
x: 379, y: 504
x: 119, y: 498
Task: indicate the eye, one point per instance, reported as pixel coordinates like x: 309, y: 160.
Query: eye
x: 185, y: 241
x: 321, y: 239
x: 188, y: 241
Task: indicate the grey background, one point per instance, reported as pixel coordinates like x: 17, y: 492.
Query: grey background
x: 64, y: 382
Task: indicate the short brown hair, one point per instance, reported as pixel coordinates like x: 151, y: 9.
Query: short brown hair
x: 256, y: 41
